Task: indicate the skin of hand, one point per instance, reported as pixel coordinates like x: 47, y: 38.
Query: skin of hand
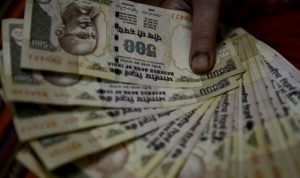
x: 206, y: 16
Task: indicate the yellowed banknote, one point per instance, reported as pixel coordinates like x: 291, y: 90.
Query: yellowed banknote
x: 289, y: 85
x: 36, y: 120
x: 181, y: 162
x: 276, y: 143
x: 33, y: 121
x: 117, y: 40
x: 58, y: 150
x: 288, y: 118
x: 144, y: 154
x: 280, y: 60
x: 27, y: 158
x: 67, y: 89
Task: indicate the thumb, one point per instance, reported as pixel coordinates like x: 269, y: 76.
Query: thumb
x: 205, y: 20
x: 205, y: 23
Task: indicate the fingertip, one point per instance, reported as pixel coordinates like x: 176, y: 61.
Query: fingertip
x: 177, y: 4
x: 168, y: 4
x: 201, y: 63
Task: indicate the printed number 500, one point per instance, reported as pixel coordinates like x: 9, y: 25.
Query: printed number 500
x: 140, y: 47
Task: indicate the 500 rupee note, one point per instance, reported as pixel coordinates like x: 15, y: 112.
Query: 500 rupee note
x: 34, y: 121
x: 248, y: 148
x: 215, y: 148
x: 144, y: 153
x: 27, y: 158
x: 120, y: 40
x: 161, y: 145
x: 289, y: 122
x: 276, y: 143
x: 289, y: 86
x: 195, y: 160
x: 279, y: 59
x: 59, y: 150
x: 55, y: 88
x: 233, y: 139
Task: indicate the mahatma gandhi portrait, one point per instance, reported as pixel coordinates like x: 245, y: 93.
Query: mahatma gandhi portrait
x: 78, y: 34
x: 74, y: 25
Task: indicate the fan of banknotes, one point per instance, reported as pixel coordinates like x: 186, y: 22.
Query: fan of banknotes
x: 103, y: 89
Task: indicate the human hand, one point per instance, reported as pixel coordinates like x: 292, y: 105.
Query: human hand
x: 206, y: 15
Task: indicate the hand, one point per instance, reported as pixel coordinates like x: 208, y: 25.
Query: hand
x: 205, y: 22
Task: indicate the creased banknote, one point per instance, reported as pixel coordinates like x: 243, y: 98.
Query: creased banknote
x: 289, y: 86
x: 67, y: 89
x: 1, y: 75
x: 288, y: 119
x: 27, y: 158
x: 279, y: 59
x: 138, y: 158
x: 232, y: 138
x: 34, y: 121
x: 58, y: 150
x: 214, y: 144
x: 1, y: 65
x: 117, y: 40
x: 162, y: 144
x: 209, y: 157
x: 171, y: 165
x: 276, y: 143
x: 254, y: 152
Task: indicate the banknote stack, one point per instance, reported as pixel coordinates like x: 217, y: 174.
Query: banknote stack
x: 104, y: 89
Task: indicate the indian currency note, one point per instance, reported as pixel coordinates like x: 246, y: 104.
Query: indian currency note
x: 235, y: 146
x: 104, y: 164
x: 270, y: 100
x: 249, y: 149
x: 260, y: 100
x: 163, y: 144
x: 1, y: 65
x: 288, y: 118
x: 27, y: 158
x: 34, y: 121
x: 233, y: 139
x: 291, y: 125
x: 205, y: 155
x: 290, y: 86
x: 219, y: 140
x: 145, y: 153
x: 59, y: 150
x: 3, y: 99
x: 285, y: 84
x: 1, y: 75
x: 280, y: 60
x: 281, y: 76
x: 117, y: 40
x: 67, y: 89
x: 209, y: 156
x: 234, y: 169
x: 171, y: 165
x: 277, y: 144
x: 251, y: 158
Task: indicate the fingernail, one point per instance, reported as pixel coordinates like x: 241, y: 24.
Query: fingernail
x: 200, y: 63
